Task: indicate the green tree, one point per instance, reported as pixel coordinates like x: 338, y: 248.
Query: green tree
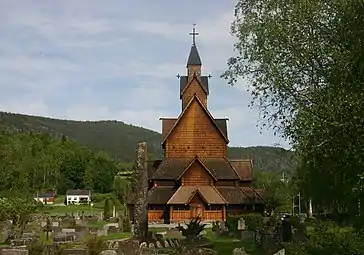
x: 304, y: 61
x: 277, y: 194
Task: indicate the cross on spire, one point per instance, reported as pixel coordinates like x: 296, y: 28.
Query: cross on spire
x: 194, y: 33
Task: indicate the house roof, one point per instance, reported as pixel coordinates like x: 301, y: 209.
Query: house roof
x: 172, y: 168
x: 44, y: 195
x: 78, y: 192
x: 195, y: 98
x: 185, y: 193
x: 168, y: 123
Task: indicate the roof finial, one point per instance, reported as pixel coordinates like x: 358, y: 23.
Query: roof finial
x: 194, y: 33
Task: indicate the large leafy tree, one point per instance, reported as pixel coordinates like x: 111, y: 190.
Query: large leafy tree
x: 305, y: 64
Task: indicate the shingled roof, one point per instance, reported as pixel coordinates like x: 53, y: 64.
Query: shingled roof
x: 243, y: 167
x: 157, y: 195
x: 208, y: 193
x: 183, y: 82
x: 172, y: 168
x: 239, y: 195
x: 167, y: 124
x: 194, y: 57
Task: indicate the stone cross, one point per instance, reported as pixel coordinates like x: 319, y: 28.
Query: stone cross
x: 141, y: 187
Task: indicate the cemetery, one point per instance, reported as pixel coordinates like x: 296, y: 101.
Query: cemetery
x: 80, y: 234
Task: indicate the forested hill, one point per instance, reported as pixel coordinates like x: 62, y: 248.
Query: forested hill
x: 120, y: 139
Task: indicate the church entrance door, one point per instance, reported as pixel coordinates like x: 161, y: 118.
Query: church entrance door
x: 196, y: 211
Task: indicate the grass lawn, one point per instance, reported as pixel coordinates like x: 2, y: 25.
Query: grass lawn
x: 225, y: 245
x: 115, y: 236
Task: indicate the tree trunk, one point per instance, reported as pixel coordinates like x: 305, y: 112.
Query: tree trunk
x: 141, y: 185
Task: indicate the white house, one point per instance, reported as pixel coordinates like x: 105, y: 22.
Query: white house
x: 46, y: 198
x: 77, y: 197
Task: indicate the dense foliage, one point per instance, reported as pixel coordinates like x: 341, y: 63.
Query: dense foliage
x: 120, y: 140
x: 32, y: 162
x: 305, y: 63
x: 277, y: 193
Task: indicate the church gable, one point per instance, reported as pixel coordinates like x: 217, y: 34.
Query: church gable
x: 194, y: 87
x: 196, y: 174
x: 195, y: 133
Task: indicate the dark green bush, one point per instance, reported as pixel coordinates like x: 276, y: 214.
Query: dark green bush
x: 329, y: 238
x: 192, y: 229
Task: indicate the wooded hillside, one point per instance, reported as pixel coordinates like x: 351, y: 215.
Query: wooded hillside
x: 119, y: 139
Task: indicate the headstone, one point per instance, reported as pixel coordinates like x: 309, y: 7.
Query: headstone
x: 14, y: 252
x: 158, y: 244
x: 286, y: 230
x: 68, y: 230
x: 280, y: 252
x: 108, y: 252
x: 55, y: 224
x: 112, y: 230
x: 239, y: 251
x: 166, y: 244
x: 151, y: 246
x: 75, y: 251
x: 241, y: 224
x: 143, y: 245
x: 101, y: 232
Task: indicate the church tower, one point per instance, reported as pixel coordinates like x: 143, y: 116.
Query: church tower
x: 194, y: 83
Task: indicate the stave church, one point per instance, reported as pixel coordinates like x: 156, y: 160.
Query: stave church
x: 195, y: 178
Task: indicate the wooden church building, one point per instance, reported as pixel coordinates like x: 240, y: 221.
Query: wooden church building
x: 195, y: 178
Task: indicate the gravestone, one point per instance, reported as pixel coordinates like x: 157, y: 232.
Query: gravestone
x: 240, y: 251
x: 75, y: 251
x: 280, y: 252
x: 286, y: 229
x: 14, y: 252
x: 55, y: 224
x: 112, y: 230
x: 108, y: 252
x: 101, y: 232
x: 241, y: 224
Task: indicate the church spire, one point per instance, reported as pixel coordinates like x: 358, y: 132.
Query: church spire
x: 194, y: 58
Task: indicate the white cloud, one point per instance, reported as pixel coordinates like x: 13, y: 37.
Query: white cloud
x: 26, y: 105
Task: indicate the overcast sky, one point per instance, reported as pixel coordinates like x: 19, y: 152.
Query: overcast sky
x: 118, y: 60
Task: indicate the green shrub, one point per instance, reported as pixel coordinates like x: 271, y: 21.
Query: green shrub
x: 97, y: 197
x: 254, y: 221
x: 329, y: 238
x: 192, y: 229
x: 95, y: 244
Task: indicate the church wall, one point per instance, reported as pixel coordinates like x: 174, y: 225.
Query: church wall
x: 195, y: 135
x: 196, y: 175
x: 191, y: 90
